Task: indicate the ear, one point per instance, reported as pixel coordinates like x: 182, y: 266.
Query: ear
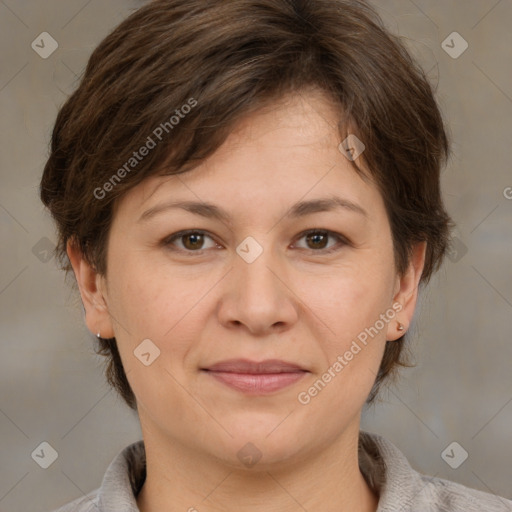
x: 406, y: 292
x: 93, y: 292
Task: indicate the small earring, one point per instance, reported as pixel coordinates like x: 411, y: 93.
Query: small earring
x: 400, y: 327
x: 98, y: 335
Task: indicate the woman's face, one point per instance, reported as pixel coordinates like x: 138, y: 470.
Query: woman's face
x: 255, y: 286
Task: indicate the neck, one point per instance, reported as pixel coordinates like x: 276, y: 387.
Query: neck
x: 181, y: 479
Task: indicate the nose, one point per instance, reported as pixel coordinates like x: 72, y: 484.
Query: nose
x: 258, y: 296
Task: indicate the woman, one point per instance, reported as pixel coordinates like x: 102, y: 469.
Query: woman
x: 248, y: 195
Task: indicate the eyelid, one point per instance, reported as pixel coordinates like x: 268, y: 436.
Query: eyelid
x: 341, y: 240
x: 167, y: 241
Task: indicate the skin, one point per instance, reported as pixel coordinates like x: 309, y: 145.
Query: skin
x: 294, y: 302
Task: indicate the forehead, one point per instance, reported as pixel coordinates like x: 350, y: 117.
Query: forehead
x: 286, y: 151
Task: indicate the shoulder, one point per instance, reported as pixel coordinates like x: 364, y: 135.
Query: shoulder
x: 403, y: 489
x: 443, y: 495
x: 121, y: 482
x: 87, y: 503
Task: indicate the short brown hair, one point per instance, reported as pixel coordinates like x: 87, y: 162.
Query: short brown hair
x: 231, y: 59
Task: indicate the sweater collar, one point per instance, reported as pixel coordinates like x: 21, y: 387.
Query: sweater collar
x: 384, y: 467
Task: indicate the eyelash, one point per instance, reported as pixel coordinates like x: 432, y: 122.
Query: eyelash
x: 167, y: 242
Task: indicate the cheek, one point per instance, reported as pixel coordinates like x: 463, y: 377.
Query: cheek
x: 349, y: 299
x: 140, y: 292
x: 152, y: 304
x: 351, y: 349
x: 158, y: 302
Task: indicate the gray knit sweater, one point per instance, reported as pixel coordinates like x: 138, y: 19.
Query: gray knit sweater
x: 400, y: 488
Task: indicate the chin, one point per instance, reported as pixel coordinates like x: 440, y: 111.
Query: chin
x: 262, y: 446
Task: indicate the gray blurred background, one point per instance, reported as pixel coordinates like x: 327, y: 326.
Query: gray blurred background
x: 52, y: 384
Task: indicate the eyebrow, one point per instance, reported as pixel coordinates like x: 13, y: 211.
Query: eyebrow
x: 299, y: 209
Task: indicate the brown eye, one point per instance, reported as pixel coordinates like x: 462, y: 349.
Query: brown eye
x: 317, y: 241
x: 193, y: 240
x: 190, y: 241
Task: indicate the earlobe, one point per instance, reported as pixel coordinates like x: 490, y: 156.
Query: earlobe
x: 406, y: 292
x: 89, y: 281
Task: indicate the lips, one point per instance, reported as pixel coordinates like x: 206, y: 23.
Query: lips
x: 254, y: 367
x: 256, y: 378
